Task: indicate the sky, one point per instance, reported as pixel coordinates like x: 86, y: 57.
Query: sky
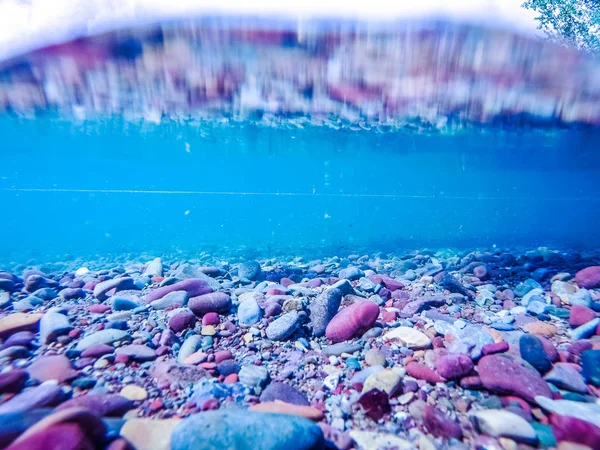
x: 30, y: 24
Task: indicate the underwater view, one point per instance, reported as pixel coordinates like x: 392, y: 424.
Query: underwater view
x: 258, y: 232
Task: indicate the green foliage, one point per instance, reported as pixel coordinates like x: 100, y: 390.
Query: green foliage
x: 571, y: 22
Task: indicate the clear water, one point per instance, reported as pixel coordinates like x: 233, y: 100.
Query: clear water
x: 111, y: 187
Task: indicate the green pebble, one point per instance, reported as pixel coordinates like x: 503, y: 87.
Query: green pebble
x: 352, y: 363
x: 544, y: 434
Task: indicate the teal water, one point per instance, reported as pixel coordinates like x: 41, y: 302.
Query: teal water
x: 111, y: 186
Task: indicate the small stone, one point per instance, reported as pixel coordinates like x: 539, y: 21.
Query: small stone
x: 108, y: 336
x: 323, y: 309
x: 218, y: 302
x: 102, y: 289
x: 375, y: 358
x: 13, y: 381
x: 533, y: 351
x: 440, y: 425
x: 502, y: 423
x: 409, y: 337
x: 589, y: 412
x: 279, y: 407
x: 181, y: 319
x: 375, y: 403
x: 103, y: 405
x: 252, y: 375
x: 539, y: 328
x: 371, y: 440
x: 285, y: 393
x: 193, y: 286
x: 249, y: 313
x: 52, y: 367
x: 564, y: 376
x: 589, y: 277
x: 352, y: 321
x: 134, y: 393
x: 208, y: 330
x: 19, y: 321
x: 453, y: 366
x: 283, y: 327
x: 586, y: 330
x: 137, y: 352
x: 422, y: 372
x: 580, y: 315
x: 590, y: 366
x: 38, y: 397
x: 191, y: 345
x: 388, y: 381
x: 52, y: 325
x: 250, y: 270
x: 149, y: 434
x: 175, y: 299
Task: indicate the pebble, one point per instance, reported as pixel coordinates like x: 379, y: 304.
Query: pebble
x: 193, y: 286
x: 52, y: 325
x: 323, y: 309
x: 285, y: 393
x: 102, y: 289
x: 218, y: 302
x: 590, y: 366
x: 371, y: 440
x: 374, y: 358
x: 148, y: 434
x: 586, y: 330
x: 109, y: 336
x: 388, y: 381
x: 565, y: 376
x: 255, y: 376
x: 174, y: 299
x: 409, y: 337
x: 279, y: 407
x: 502, y: 423
x: 19, y: 321
x: 352, y: 321
x: 283, y: 327
x: 588, y: 278
x: 532, y: 350
x: 52, y: 367
x: 249, y: 313
x: 134, y: 393
x: 453, y: 366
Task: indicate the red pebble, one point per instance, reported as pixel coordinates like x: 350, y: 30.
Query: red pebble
x: 98, y: 309
x: 75, y: 333
x: 222, y: 355
x: 496, y: 347
x: 211, y: 318
x: 275, y: 291
x: 389, y: 316
x: 422, y: 372
x: 210, y: 404
x: 156, y: 404
x: 158, y: 279
x: 231, y: 378
x: 120, y: 358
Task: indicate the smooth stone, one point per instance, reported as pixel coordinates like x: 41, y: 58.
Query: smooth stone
x: 134, y: 393
x: 119, y: 284
x: 374, y: 440
x: 285, y: 393
x: 21, y: 338
x: 13, y: 381
x: 582, y: 297
x: 283, y: 327
x: 352, y: 321
x: 502, y: 423
x: 107, y: 336
x: 246, y: 430
x: 47, y: 394
x: 149, y: 434
x: 191, y: 345
x: 72, y: 294
x: 52, y: 325
x: 109, y: 405
x: 70, y: 435
x: 17, y: 322
x: 585, y: 331
x: 590, y: 366
x: 181, y: 319
x: 119, y: 303
x: 137, y: 352
x: 499, y: 373
x: 453, y: 365
x: 564, y: 376
x: 590, y: 412
x: 351, y: 273
x: 218, y: 302
x: 5, y: 299
x: 252, y: 375
x: 375, y: 358
x: 342, y: 347
x: 538, y: 328
x: 173, y: 299
x: 589, y: 277
x: 422, y: 372
x: 52, y: 367
x: 154, y: 268
x: 532, y: 350
x: 193, y: 286
x: 410, y: 337
x: 279, y: 407
x: 575, y: 431
x: 323, y: 309
x: 439, y: 424
x: 580, y: 315
x: 388, y: 381
x: 344, y: 286
x: 249, y: 313
x: 175, y: 374
x: 249, y: 270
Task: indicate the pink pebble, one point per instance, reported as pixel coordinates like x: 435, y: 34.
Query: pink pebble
x: 98, y: 309
x: 352, y: 321
x: 121, y: 358
x: 222, y: 355
x: 211, y: 318
x: 496, y: 347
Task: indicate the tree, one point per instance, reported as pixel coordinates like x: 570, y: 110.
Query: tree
x: 575, y: 23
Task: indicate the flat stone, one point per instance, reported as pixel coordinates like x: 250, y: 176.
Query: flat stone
x: 539, y: 328
x: 352, y: 321
x: 341, y: 347
x: 590, y: 366
x: 453, y: 365
x: 589, y: 277
x: 173, y: 299
x: 134, y: 393
x: 279, y: 407
x: 181, y: 319
x: 242, y: 430
x: 137, y: 352
x: 249, y: 270
x: 283, y: 327
x: 532, y: 350
x: 19, y: 321
x: 95, y: 351
x: 102, y: 289
x: 37, y: 397
x: 580, y: 315
x: 154, y: 268
x: 249, y: 313
x: 564, y: 376
x: 373, y: 440
x: 323, y: 309
x: 52, y: 367
x: 218, y: 302
x: 439, y: 424
x: 585, y: 331
x: 149, y: 434
x: 13, y: 381
x: 107, y: 336
x: 589, y: 412
x: 193, y: 286
x: 409, y: 337
x: 104, y: 405
x: 501, y: 374
x: 177, y: 374
x: 52, y: 325
x: 375, y: 358
x: 285, y: 393
x: 191, y: 345
x: 252, y: 375
x: 502, y: 423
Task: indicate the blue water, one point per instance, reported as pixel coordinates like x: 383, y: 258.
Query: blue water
x: 110, y: 187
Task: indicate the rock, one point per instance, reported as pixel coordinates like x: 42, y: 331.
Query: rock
x: 279, y: 407
x: 252, y: 375
x: 375, y: 358
x: 120, y: 302
x: 107, y: 336
x: 351, y: 273
x: 423, y: 304
x: 95, y: 351
x: 501, y: 374
x: 52, y: 367
x: 21, y: 338
x: 580, y: 315
x: 242, y: 430
x: 154, y: 268
x: 13, y: 381
x: 134, y: 393
x: 37, y: 397
x: 191, y: 345
x: 149, y: 434
x: 352, y: 321
x: 283, y: 327
x: 573, y: 430
x: 409, y: 337
x: 218, y: 302
x: 372, y: 440
x: 177, y: 374
x: 35, y: 282
x: 388, y: 381
x: 250, y: 270
x: 564, y: 376
x: 344, y: 286
x: 16, y: 322
x: 376, y: 404
x: 173, y: 299
x: 503, y: 423
x: 323, y: 309
x: 589, y: 412
x: 422, y: 372
x: 342, y: 347
x: 137, y: 352
x: 341, y: 440
x: 539, y: 328
x: 193, y: 286
x: 453, y: 366
x: 249, y: 313
x: 285, y: 393
x: 532, y: 350
x: 589, y: 277
x: 102, y: 289
x: 582, y: 297
x: 439, y: 424
x: 52, y: 325
x: 72, y: 293
x: 64, y: 436
x: 590, y: 366
x: 103, y: 405
x: 5, y: 298
x: 181, y: 319
x: 586, y: 330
